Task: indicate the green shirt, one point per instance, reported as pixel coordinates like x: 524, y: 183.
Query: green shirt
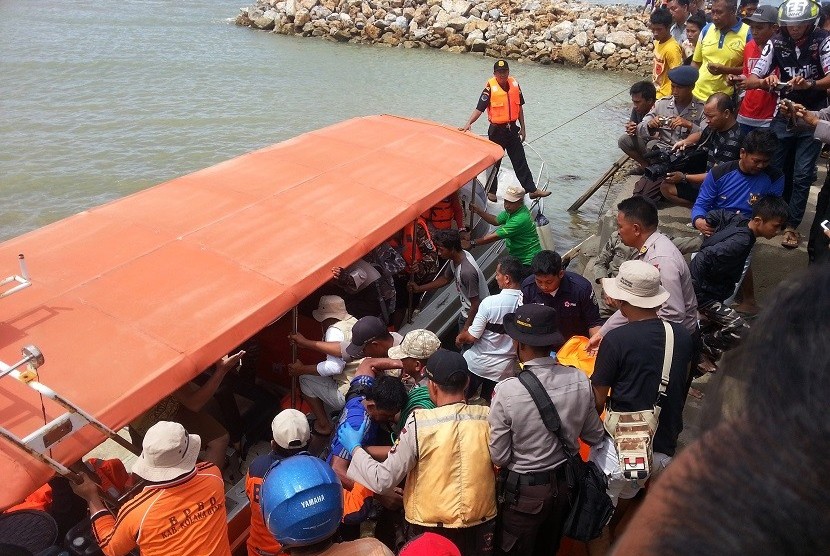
x: 519, y: 233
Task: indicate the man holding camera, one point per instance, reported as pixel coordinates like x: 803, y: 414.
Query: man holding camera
x: 801, y: 53
x: 671, y: 119
x: 721, y: 139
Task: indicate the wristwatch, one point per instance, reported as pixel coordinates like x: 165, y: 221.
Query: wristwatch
x: 473, y: 243
x: 811, y: 83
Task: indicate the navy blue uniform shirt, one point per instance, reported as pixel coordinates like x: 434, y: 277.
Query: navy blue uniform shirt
x: 575, y: 304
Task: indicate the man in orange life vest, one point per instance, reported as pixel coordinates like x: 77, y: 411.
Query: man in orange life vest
x: 502, y: 99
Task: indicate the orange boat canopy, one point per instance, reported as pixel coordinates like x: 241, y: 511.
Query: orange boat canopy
x: 132, y: 299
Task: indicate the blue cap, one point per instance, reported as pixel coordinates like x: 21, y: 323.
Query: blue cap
x: 301, y: 500
x: 685, y: 76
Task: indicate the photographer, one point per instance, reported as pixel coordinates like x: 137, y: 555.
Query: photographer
x: 673, y: 118
x: 818, y: 246
x: 801, y: 53
x: 720, y: 138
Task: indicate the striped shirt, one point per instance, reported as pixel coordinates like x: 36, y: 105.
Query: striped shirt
x: 721, y: 146
x: 185, y: 517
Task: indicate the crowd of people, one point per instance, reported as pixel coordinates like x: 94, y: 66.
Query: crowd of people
x: 449, y: 451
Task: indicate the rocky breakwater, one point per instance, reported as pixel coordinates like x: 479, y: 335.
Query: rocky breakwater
x: 543, y: 31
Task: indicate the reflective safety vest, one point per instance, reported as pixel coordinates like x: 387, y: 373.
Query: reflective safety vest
x: 441, y: 215
x: 344, y: 379
x: 504, y: 105
x: 453, y: 460
x: 409, y: 242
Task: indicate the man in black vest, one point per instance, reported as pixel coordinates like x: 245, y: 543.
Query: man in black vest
x: 801, y: 54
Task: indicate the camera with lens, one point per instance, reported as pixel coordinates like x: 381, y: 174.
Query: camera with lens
x: 663, y: 161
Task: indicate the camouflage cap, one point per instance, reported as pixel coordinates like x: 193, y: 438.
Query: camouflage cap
x: 417, y: 344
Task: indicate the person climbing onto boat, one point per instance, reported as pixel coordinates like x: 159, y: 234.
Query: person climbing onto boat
x: 414, y: 244
x: 289, y: 436
x: 324, y: 384
x: 463, y: 269
x: 502, y: 99
x: 515, y: 227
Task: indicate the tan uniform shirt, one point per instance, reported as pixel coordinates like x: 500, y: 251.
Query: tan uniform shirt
x: 518, y: 437
x: 681, y: 307
x: 665, y: 108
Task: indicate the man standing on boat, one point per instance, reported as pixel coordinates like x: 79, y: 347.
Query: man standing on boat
x: 515, y: 227
x: 502, y: 99
x: 463, y: 269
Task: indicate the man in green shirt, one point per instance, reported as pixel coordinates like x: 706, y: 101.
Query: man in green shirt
x: 515, y: 226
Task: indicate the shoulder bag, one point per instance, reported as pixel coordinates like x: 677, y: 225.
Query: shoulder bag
x: 591, y: 508
x: 633, y: 431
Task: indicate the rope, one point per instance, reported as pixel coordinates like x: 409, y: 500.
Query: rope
x: 579, y: 115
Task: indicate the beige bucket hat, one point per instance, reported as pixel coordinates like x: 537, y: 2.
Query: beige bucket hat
x: 168, y: 452
x: 638, y: 283
x: 417, y: 344
x: 331, y: 307
x: 514, y: 193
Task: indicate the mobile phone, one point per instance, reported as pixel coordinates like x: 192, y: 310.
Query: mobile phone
x: 826, y: 225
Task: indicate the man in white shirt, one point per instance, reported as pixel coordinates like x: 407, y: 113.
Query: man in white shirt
x: 492, y: 357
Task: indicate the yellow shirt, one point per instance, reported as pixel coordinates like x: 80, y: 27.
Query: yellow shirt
x: 667, y: 55
x: 717, y: 47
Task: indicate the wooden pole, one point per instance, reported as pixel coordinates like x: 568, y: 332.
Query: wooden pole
x: 411, y: 302
x: 294, y: 315
x: 599, y: 183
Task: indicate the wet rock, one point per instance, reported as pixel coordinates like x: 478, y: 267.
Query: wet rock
x: 266, y: 20
x: 572, y: 54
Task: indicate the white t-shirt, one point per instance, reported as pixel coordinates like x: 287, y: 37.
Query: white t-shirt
x: 332, y: 365
x: 492, y: 355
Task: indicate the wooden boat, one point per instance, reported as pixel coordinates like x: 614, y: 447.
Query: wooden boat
x: 130, y: 300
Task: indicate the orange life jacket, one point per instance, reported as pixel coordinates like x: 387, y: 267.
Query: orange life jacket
x: 409, y: 241
x: 441, y: 215
x: 504, y: 105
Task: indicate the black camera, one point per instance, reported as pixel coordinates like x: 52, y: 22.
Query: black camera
x: 663, y: 161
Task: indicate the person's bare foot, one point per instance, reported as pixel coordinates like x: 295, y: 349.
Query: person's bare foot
x: 539, y: 193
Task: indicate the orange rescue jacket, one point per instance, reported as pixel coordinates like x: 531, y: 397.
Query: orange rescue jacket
x: 504, y: 106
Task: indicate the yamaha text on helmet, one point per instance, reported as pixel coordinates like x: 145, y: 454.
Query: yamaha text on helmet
x: 301, y: 500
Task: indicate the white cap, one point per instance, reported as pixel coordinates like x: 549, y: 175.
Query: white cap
x: 290, y: 429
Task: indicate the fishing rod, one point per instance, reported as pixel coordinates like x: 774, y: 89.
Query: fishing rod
x: 578, y: 116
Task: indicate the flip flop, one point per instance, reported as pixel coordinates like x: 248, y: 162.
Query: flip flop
x: 792, y: 239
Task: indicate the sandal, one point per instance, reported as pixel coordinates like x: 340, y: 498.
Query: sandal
x: 792, y: 239
x: 492, y: 198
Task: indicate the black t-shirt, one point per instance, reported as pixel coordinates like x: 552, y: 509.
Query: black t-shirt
x: 630, y: 361
x: 576, y: 306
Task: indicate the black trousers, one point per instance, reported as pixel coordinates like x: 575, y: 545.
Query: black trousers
x: 507, y: 136
x: 818, y: 245
x: 532, y: 523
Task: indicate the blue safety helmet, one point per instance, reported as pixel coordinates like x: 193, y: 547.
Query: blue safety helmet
x: 301, y: 500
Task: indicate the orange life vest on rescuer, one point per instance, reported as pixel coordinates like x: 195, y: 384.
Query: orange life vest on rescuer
x: 441, y: 215
x: 409, y: 242
x: 504, y: 105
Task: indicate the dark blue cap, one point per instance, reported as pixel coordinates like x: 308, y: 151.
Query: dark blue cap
x: 685, y: 76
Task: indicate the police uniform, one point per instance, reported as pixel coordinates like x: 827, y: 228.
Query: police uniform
x: 533, y: 490
x: 681, y: 306
x: 666, y: 108
x: 506, y: 133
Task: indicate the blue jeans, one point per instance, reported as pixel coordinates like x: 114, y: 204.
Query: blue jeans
x: 805, y: 151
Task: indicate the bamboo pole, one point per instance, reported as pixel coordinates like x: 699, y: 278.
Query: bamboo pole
x: 599, y: 183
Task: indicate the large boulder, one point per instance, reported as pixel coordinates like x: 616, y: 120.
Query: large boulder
x: 581, y: 38
x: 456, y: 39
x: 644, y: 37
x: 460, y: 7
x: 598, y: 46
x: 572, y: 54
x: 290, y: 8
x: 372, y: 31
x: 301, y: 18
x: 624, y: 39
x: 608, y: 49
x: 563, y: 31
x: 457, y: 22
x: 474, y: 35
x: 266, y: 20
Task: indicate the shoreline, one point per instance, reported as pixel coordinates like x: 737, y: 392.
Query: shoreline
x: 577, y: 34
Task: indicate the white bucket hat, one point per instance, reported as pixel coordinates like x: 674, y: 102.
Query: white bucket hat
x: 168, y: 452
x: 514, y: 193
x: 638, y: 283
x: 330, y: 307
